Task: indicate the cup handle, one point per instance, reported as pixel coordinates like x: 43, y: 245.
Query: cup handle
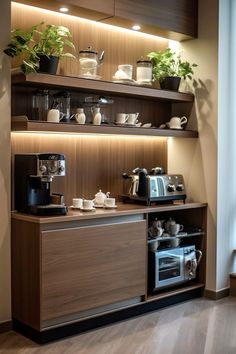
x: 62, y: 115
x: 126, y: 117
x: 137, y: 114
x: 181, y: 227
x: 183, y: 120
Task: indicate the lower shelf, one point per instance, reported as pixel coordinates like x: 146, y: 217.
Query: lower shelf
x: 179, y: 290
x: 151, y: 304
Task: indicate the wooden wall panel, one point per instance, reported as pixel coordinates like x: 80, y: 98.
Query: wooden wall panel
x: 94, y: 162
x: 121, y: 46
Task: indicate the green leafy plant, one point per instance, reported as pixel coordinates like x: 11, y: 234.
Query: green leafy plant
x: 34, y: 43
x: 167, y: 63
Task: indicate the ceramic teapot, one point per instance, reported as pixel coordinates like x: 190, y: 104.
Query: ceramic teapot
x: 100, y: 197
x: 169, y: 223
x: 156, y: 229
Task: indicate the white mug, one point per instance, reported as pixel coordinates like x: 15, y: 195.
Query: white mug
x: 110, y: 202
x: 176, y: 122
x: 121, y: 118
x: 54, y: 115
x: 132, y: 119
x: 77, y: 202
x: 88, y: 204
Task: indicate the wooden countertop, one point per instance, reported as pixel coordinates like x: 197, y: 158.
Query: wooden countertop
x: 121, y: 210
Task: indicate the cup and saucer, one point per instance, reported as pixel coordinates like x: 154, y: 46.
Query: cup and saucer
x: 87, y: 209
x: 110, y: 207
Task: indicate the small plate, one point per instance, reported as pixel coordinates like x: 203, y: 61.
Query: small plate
x: 74, y: 208
x: 125, y: 125
x: 98, y: 205
x: 85, y: 209
x: 123, y: 81
x: 108, y: 207
x: 177, y: 128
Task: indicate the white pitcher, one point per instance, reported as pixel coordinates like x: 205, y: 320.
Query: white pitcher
x: 97, y: 117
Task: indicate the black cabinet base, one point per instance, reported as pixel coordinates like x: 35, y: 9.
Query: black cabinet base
x: 103, y: 320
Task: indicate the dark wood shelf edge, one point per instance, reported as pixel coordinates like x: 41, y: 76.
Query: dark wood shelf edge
x: 22, y: 124
x: 108, y: 87
x: 172, y: 292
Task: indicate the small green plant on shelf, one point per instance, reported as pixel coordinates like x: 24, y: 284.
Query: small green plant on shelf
x: 39, y: 43
x: 168, y: 64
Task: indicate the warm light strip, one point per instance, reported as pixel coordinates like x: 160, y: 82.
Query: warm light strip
x: 87, y: 135
x: 99, y: 24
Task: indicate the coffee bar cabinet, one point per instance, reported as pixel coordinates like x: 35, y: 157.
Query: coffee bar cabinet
x: 83, y: 270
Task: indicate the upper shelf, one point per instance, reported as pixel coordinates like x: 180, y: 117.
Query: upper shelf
x: 22, y: 124
x: 99, y: 86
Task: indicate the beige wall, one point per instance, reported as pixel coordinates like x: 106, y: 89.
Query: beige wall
x: 5, y: 300
x: 197, y: 159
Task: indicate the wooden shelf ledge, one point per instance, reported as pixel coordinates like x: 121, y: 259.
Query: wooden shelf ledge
x: 99, y: 86
x: 23, y: 124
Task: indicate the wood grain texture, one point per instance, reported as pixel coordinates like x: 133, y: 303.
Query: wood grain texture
x: 120, y: 46
x: 25, y: 257
x: 192, y: 327
x: 121, y: 210
x: 88, y: 267
x: 166, y: 15
x: 94, y: 162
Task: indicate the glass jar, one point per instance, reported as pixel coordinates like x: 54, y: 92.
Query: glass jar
x: 40, y: 104
x: 61, y: 101
x: 144, y: 71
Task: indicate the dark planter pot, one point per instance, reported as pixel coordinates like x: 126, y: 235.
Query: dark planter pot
x: 48, y: 64
x: 170, y: 83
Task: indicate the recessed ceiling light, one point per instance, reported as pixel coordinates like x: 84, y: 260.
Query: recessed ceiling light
x: 63, y: 9
x: 136, y: 27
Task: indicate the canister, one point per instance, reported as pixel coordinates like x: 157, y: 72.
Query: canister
x: 144, y: 71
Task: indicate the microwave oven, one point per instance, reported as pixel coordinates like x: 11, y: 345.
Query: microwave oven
x: 173, y: 266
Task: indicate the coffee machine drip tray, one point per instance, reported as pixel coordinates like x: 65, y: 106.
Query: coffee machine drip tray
x: 47, y: 210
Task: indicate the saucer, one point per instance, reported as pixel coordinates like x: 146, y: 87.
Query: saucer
x: 178, y: 128
x: 123, y: 81
x: 87, y: 209
x: 110, y: 207
x: 74, y: 208
x: 98, y: 205
x: 125, y: 124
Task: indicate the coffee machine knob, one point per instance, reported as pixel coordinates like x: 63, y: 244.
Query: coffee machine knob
x: 171, y: 187
x: 43, y: 168
x: 61, y: 168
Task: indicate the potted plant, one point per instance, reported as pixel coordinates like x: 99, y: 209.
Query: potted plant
x: 40, y: 49
x: 168, y: 68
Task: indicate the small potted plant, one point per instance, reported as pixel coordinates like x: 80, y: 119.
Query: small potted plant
x: 168, y: 68
x: 40, y: 49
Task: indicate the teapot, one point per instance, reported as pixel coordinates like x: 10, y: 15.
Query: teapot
x: 89, y: 61
x: 156, y: 229
x: 169, y: 223
x: 100, y: 197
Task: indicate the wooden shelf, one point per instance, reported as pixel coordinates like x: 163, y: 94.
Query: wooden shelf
x: 99, y: 86
x: 22, y: 124
x: 168, y: 293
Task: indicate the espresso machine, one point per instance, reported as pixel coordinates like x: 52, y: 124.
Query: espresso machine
x: 33, y: 177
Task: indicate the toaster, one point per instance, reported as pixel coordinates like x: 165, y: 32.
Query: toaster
x: 157, y: 188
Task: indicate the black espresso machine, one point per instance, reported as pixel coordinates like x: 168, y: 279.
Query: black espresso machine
x: 153, y: 187
x: 33, y: 176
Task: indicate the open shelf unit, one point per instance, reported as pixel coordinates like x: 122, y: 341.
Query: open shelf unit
x: 104, y: 87
x: 98, y: 87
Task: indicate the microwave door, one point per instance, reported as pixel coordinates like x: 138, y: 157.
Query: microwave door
x: 169, y: 267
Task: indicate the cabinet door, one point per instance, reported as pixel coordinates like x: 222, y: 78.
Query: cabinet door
x: 87, y: 267
x: 169, y: 18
